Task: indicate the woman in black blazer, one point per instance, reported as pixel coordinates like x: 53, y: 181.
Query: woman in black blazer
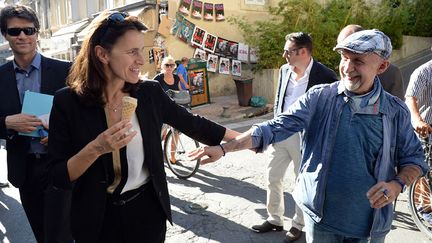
x: 81, y: 141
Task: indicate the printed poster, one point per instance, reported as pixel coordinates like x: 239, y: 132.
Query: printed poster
x: 197, y: 81
x: 208, y: 11
x: 200, y: 54
x: 219, y: 12
x: 184, y: 7
x: 198, y: 36
x: 222, y: 47
x: 158, y: 56
x: 236, y: 68
x: 197, y: 7
x: 177, y: 24
x: 232, y: 52
x: 224, y: 65
x: 212, y: 61
x: 243, y: 52
x: 209, y: 42
x: 186, y: 31
x: 39, y: 105
x: 253, y: 55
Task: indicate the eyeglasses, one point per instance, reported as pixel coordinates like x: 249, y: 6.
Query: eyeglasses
x: 17, y: 31
x: 290, y: 52
x: 169, y: 65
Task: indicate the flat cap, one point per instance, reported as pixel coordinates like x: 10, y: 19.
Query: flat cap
x: 367, y: 41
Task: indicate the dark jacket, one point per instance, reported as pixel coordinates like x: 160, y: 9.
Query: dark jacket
x: 73, y: 125
x: 319, y: 74
x: 53, y: 76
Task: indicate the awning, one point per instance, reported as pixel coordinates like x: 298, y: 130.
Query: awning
x: 71, y: 29
x: 63, y: 39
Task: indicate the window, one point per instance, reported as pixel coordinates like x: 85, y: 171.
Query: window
x: 255, y: 2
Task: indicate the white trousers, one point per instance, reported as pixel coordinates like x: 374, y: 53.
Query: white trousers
x: 281, y: 154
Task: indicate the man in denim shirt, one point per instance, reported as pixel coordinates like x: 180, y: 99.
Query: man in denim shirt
x: 360, y: 150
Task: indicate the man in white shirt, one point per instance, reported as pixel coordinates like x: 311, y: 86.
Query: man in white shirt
x: 296, y: 77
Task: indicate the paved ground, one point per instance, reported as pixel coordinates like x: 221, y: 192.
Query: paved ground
x: 218, y: 204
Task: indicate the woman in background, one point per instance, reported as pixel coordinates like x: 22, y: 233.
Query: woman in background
x: 167, y: 78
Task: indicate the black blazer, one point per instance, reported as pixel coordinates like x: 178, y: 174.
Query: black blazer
x: 319, y: 74
x: 74, y: 124
x: 53, y: 77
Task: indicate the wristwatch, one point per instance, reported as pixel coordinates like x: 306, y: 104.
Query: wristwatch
x: 401, y: 183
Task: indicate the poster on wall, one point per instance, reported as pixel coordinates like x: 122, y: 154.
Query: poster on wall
x: 184, y: 7
x: 219, y: 12
x: 221, y: 48
x: 208, y: 11
x: 243, y: 52
x: 198, y: 36
x: 197, y: 81
x: 209, y: 42
x: 186, y: 31
x: 158, y: 55
x: 197, y: 7
x: 212, y: 61
x: 224, y: 65
x: 178, y: 23
x: 232, y: 50
x: 200, y: 54
x: 236, y: 68
x: 253, y: 56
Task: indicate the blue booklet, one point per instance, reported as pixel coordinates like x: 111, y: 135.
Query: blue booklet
x: 40, y: 105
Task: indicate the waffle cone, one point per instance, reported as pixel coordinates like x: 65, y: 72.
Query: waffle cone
x: 129, y: 105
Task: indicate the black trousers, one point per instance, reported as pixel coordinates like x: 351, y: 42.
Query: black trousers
x: 47, y: 208
x: 139, y: 220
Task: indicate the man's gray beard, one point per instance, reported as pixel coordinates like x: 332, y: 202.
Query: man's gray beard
x: 351, y: 86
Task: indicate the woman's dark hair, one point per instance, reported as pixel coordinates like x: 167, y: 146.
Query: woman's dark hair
x: 86, y: 77
x: 17, y: 11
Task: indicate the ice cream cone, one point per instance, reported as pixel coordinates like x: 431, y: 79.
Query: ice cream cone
x: 129, y: 105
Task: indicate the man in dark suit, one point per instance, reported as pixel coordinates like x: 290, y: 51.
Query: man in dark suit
x: 296, y: 77
x: 47, y: 208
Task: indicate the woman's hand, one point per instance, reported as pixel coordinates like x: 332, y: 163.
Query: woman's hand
x: 213, y: 154
x: 114, y: 138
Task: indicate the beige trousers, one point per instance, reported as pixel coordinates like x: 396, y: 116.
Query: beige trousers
x: 281, y: 154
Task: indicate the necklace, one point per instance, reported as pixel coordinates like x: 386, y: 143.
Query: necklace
x: 114, y: 108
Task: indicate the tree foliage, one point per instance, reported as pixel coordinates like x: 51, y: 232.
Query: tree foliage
x: 323, y: 23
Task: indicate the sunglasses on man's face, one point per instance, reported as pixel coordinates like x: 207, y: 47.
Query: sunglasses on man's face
x: 17, y: 31
x: 170, y: 65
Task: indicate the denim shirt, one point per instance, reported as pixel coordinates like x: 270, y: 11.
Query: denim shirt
x: 317, y: 114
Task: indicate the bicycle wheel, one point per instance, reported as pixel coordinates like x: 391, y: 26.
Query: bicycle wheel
x: 175, y: 146
x: 420, y: 205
